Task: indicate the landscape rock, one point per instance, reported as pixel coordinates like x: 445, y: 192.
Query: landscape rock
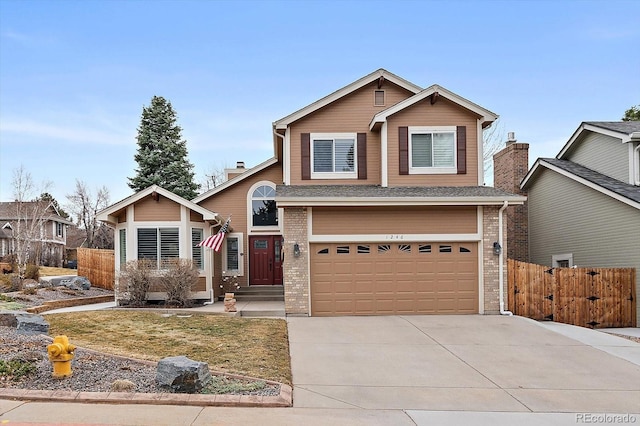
x: 8, y: 318
x: 182, y: 374
x: 31, y: 324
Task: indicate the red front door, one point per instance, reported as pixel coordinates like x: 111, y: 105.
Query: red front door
x: 265, y: 260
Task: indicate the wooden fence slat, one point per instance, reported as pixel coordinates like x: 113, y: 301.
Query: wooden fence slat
x: 98, y: 266
x: 588, y: 297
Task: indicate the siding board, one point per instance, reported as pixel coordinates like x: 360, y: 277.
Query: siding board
x: 602, y: 153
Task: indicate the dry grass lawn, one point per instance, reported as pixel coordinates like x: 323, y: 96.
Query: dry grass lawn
x: 256, y: 347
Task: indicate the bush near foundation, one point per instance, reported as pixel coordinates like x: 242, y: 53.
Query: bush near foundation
x: 134, y: 280
x: 177, y: 280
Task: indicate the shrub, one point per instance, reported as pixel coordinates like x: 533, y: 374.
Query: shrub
x: 9, y: 283
x: 16, y: 369
x: 177, y: 280
x: 32, y: 272
x: 135, y: 279
x: 122, y: 385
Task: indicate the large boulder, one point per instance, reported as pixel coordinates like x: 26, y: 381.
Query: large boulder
x: 31, y: 324
x: 73, y: 283
x: 182, y: 374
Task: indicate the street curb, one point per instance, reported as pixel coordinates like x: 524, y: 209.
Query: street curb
x: 200, y: 400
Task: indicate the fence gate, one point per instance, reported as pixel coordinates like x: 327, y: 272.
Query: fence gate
x: 97, y: 265
x: 588, y: 297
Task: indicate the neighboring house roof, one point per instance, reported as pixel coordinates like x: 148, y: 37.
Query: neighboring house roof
x: 376, y: 75
x: 8, y: 212
x: 106, y: 215
x: 626, y: 131
x: 345, y: 195
x: 487, y: 116
x: 627, y: 193
x: 244, y: 175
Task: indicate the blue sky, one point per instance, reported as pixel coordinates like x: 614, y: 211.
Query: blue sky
x: 75, y: 75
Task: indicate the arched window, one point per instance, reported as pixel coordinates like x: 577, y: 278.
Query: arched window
x: 263, y: 205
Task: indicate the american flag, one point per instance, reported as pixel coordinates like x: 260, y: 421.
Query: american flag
x: 215, y: 241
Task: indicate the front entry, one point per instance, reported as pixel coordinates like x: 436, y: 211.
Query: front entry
x: 265, y: 260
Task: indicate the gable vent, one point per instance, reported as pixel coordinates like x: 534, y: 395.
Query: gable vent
x: 379, y: 98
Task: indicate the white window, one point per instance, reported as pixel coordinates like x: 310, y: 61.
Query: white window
x: 232, y: 255
x: 159, y: 244
x: 59, y: 229
x: 432, y: 150
x: 196, y: 250
x: 333, y: 156
x: 636, y: 164
x: 562, y: 260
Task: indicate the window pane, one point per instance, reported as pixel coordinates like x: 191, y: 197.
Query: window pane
x: 344, y: 155
x: 443, y: 150
x: 148, y: 243
x: 232, y: 254
x: 265, y: 213
x: 323, y: 156
x: 169, y: 244
x: 196, y: 238
x: 421, y: 155
x: 123, y: 247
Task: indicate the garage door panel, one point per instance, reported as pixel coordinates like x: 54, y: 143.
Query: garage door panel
x: 398, y: 278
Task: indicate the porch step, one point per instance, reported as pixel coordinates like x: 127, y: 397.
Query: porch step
x: 260, y: 293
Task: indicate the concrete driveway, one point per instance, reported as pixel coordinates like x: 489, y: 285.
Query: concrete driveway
x: 468, y: 363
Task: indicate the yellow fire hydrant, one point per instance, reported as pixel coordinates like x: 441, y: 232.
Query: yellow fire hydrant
x: 60, y: 355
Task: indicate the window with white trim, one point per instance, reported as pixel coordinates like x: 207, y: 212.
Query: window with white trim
x: 196, y: 250
x: 333, y: 156
x: 636, y: 164
x: 562, y: 260
x: 59, y: 229
x: 263, y: 206
x: 232, y: 252
x: 432, y: 150
x: 122, y: 238
x: 159, y: 244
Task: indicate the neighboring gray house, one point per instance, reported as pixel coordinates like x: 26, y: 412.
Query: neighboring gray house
x: 584, y: 205
x: 50, y: 245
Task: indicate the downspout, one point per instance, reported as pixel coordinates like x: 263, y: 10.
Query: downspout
x: 501, y: 260
x: 284, y: 155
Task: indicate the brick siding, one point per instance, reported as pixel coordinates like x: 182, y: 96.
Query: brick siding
x: 491, y: 265
x: 296, y: 269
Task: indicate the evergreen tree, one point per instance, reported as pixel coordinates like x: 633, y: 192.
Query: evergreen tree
x: 632, y: 114
x: 162, y: 154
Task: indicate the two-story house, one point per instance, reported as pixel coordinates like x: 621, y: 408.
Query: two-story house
x: 48, y: 241
x: 372, y: 204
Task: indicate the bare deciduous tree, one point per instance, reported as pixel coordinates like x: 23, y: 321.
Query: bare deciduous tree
x: 84, y: 206
x: 213, y: 177
x: 30, y: 217
x: 493, y: 141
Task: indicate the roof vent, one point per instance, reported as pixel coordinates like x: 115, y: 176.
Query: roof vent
x: 240, y: 165
x: 511, y: 137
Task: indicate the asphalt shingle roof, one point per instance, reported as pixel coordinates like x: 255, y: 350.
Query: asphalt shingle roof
x: 629, y: 191
x: 626, y: 127
x: 375, y: 191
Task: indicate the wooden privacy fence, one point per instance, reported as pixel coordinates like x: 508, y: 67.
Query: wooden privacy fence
x: 588, y: 297
x: 98, y: 265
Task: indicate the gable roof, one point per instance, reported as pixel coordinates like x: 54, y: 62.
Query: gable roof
x: 353, y: 195
x: 487, y: 116
x: 239, y: 178
x: 624, y: 192
x: 8, y: 212
x: 106, y: 215
x: 376, y: 75
x: 626, y: 131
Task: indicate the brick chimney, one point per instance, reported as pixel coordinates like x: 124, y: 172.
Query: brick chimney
x: 509, y: 168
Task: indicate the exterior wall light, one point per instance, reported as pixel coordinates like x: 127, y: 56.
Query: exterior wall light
x: 497, y: 248
x: 296, y: 250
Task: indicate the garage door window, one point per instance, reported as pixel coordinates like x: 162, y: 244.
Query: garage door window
x: 424, y: 248
x: 324, y: 250
x: 383, y: 248
x: 404, y: 248
x: 464, y: 250
x: 342, y: 250
x: 445, y: 249
x: 364, y: 249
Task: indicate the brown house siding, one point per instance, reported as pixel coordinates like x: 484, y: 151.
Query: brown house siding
x: 349, y: 114
x: 149, y: 210
x: 423, y: 113
x: 233, y: 201
x: 392, y: 220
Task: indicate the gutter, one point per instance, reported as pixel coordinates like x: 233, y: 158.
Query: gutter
x: 501, y: 260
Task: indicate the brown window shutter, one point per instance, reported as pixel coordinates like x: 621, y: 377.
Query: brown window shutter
x: 306, y: 155
x: 462, y: 149
x: 362, y: 155
x: 403, y: 137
